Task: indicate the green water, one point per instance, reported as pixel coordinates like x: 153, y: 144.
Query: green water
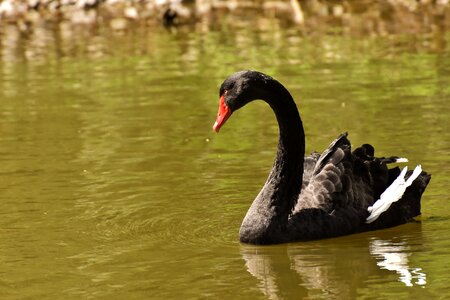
x: 114, y: 186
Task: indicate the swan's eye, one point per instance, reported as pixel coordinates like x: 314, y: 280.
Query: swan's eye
x: 225, y: 92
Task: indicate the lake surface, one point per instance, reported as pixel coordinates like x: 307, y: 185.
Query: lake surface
x: 114, y: 186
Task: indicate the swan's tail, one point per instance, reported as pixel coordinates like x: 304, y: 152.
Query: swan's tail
x: 395, y: 192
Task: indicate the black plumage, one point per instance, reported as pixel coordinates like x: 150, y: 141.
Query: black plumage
x: 321, y: 195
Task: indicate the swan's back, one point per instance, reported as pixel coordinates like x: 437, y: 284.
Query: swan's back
x: 340, y: 186
x: 334, y: 181
x: 340, y: 179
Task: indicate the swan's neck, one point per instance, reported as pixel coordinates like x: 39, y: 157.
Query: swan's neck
x: 268, y: 215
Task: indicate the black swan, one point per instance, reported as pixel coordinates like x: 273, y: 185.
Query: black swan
x: 324, y: 195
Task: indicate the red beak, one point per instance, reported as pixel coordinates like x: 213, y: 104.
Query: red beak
x: 222, y: 116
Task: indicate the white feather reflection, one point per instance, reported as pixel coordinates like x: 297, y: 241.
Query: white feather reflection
x: 394, y: 257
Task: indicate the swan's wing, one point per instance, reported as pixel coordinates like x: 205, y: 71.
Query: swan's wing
x: 333, y: 153
x: 334, y: 182
x: 343, y: 184
x: 327, y: 176
x: 308, y: 167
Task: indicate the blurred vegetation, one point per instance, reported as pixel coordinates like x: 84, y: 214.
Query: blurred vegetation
x: 361, y: 17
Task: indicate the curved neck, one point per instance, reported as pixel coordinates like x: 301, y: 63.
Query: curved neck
x: 267, y: 217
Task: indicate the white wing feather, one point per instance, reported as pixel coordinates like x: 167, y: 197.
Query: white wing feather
x: 392, y: 194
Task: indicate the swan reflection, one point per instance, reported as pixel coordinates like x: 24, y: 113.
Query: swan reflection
x: 260, y: 266
x: 336, y: 268
x: 394, y: 257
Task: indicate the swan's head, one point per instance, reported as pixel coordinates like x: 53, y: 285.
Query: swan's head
x: 238, y: 90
